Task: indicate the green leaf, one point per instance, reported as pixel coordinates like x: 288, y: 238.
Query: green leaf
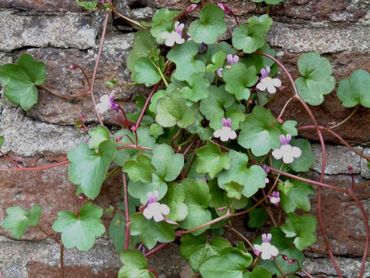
x: 145, y: 72
x: 186, y: 63
x: 151, y: 232
x: 197, y: 89
x: 123, y: 137
x: 285, y: 266
x: 258, y: 272
x: 163, y: 21
x: 135, y: 265
x: 117, y: 231
x: 355, y: 90
x: 18, y: 220
x: 197, y: 199
x: 316, y: 78
x: 238, y: 79
x: 168, y: 165
x: 239, y: 177
x: 80, y: 230
x: 196, y: 250
x: 87, y: 168
x: 211, y: 160
x: 214, y: 106
x: 306, y: 160
x: 260, y: 132
x: 218, y: 60
x: 98, y: 135
x: 140, y: 190
x: 87, y: 5
x: 289, y: 127
x: 231, y: 263
x: 143, y: 45
x: 171, y: 111
x: 156, y: 130
x: 296, y: 196
x: 139, y: 169
x: 209, y: 26
x: 2, y: 139
x: 20, y: 79
x: 301, y: 228
x: 252, y: 35
x: 35, y: 70
x: 175, y: 198
x: 257, y: 218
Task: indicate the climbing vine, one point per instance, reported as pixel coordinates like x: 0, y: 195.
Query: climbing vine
x: 200, y: 150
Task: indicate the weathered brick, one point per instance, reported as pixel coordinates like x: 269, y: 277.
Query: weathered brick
x: 331, y: 111
x: 64, y: 31
x: 49, y: 188
x: 342, y: 219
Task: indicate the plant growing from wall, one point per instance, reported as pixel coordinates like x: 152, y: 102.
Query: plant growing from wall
x: 201, y: 150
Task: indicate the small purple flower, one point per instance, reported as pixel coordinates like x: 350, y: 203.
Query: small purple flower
x: 285, y: 140
x: 225, y: 133
x: 226, y: 122
x: 154, y: 209
x: 174, y: 37
x: 267, y: 83
x: 267, y: 170
x: 179, y: 27
x: 286, y: 152
x: 232, y: 59
x: 274, y: 197
x: 266, y: 237
x: 266, y: 249
x: 219, y: 72
x: 191, y: 8
x: 265, y: 72
x: 106, y: 103
x: 225, y: 8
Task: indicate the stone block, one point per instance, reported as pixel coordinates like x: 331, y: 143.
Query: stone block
x: 338, y: 159
x: 365, y: 171
x: 70, y: 30
x: 41, y: 5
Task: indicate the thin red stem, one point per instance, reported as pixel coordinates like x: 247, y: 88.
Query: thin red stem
x: 323, y: 162
x: 146, y: 105
x: 156, y: 249
x: 105, y: 25
x: 127, y: 212
x: 38, y: 168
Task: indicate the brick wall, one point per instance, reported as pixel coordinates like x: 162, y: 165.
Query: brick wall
x: 59, y: 33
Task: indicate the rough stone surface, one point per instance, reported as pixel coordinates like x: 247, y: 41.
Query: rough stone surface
x: 316, y: 10
x: 26, y: 137
x: 22, y: 259
x: 324, y: 39
x: 41, y: 5
x: 64, y: 31
x: 322, y: 267
x: 365, y: 171
x: 338, y: 159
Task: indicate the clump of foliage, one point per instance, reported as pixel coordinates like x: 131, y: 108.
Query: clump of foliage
x: 201, y: 150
